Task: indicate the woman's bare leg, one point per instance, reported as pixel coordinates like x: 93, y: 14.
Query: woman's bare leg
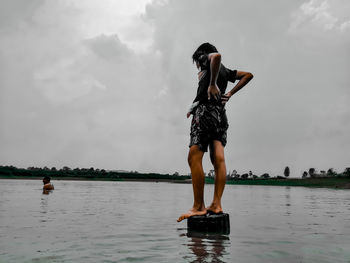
x: 217, y: 157
x: 195, y: 157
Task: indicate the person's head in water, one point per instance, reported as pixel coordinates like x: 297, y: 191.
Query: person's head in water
x: 46, y: 180
x: 205, y: 48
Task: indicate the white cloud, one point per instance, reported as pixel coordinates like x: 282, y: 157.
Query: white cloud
x: 109, y: 47
x: 345, y: 26
x: 328, y: 15
x: 319, y: 13
x: 64, y: 81
x: 122, y: 17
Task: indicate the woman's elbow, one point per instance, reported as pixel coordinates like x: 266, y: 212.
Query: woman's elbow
x: 250, y: 75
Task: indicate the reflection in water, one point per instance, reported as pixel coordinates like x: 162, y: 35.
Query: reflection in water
x: 44, y: 209
x: 44, y: 203
x: 288, y: 201
x: 207, y: 247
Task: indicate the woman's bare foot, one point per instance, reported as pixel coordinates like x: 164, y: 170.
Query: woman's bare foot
x: 215, y: 209
x: 192, y: 212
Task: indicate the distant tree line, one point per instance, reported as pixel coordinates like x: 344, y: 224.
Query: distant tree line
x: 312, y: 173
x: 88, y: 173
x: 234, y: 175
x: 92, y: 173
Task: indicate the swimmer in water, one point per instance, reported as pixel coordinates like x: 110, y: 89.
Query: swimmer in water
x: 47, y: 185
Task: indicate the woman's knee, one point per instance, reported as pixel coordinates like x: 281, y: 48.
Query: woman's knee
x: 219, y: 159
x: 194, y: 155
x: 189, y: 159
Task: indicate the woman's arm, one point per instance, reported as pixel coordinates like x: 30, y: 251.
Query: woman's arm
x: 215, y: 62
x: 244, y: 78
x: 191, y: 109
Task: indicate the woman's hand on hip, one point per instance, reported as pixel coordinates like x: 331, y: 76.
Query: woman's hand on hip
x: 213, y: 92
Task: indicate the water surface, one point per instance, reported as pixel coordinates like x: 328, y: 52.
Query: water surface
x: 86, y: 221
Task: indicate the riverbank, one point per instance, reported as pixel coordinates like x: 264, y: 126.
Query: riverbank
x: 328, y: 182
x: 96, y: 179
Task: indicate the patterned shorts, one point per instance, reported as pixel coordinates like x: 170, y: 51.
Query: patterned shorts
x: 209, y: 123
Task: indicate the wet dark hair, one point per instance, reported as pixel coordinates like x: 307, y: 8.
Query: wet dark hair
x: 205, y: 48
x: 47, y: 178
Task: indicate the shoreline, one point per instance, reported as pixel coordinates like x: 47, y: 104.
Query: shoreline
x: 323, y: 182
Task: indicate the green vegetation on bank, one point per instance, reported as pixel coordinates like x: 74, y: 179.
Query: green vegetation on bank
x: 11, y: 172
x: 332, y: 182
x: 329, y: 179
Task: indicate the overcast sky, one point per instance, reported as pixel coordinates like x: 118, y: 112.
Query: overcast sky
x: 107, y: 84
